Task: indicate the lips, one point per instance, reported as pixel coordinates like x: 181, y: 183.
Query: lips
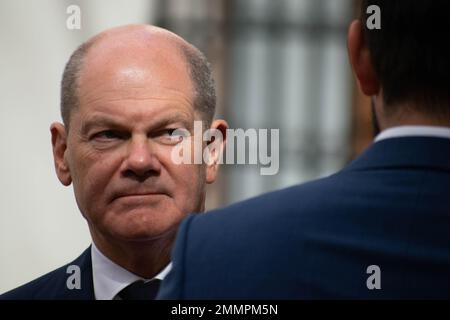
x: 137, y: 194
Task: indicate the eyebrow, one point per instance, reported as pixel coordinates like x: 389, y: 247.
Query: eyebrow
x: 111, y: 122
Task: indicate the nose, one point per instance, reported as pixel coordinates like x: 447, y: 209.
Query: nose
x: 141, y: 161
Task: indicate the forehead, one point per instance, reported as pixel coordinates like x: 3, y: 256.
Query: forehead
x: 136, y: 67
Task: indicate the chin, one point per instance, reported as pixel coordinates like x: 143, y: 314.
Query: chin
x: 140, y: 234
x: 142, y: 225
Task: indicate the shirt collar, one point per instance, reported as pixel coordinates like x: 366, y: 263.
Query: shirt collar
x: 109, y: 278
x: 414, y: 131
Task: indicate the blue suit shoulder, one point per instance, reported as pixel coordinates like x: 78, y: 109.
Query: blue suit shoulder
x: 269, y: 207
x: 53, y: 285
x: 316, y: 240
x: 238, y: 237
x: 38, y: 288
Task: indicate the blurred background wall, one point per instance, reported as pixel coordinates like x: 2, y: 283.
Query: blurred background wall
x: 278, y: 65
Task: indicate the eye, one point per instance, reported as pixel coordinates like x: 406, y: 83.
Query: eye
x: 174, y: 135
x: 169, y: 132
x: 107, y: 135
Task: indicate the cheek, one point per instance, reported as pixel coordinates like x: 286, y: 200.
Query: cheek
x: 190, y: 192
x: 92, y: 174
x: 188, y: 183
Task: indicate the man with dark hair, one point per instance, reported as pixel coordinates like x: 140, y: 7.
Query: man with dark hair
x: 410, y: 58
x: 376, y: 229
x: 125, y: 96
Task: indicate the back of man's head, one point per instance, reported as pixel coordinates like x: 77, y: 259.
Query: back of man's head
x: 410, y: 53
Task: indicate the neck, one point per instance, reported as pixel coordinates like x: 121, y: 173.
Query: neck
x: 407, y: 116
x: 143, y: 258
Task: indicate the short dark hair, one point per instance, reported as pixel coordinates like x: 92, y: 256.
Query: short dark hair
x: 410, y: 52
x: 69, y: 82
x: 199, y: 69
x: 203, y: 81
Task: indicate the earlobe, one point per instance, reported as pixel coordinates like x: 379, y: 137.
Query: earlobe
x: 59, y: 145
x: 361, y: 60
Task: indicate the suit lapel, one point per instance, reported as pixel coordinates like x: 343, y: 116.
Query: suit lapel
x: 82, y: 268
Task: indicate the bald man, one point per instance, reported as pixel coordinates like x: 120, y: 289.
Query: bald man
x: 124, y: 94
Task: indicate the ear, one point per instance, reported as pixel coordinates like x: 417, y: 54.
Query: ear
x: 214, y: 148
x: 361, y: 60
x: 59, y: 144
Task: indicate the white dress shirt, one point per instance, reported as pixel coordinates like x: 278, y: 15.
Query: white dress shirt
x: 109, y: 278
x: 414, y: 131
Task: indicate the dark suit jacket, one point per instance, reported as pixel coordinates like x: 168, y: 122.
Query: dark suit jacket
x: 53, y: 285
x: 389, y: 208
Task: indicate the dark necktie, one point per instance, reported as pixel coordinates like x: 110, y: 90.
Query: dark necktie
x: 140, y: 290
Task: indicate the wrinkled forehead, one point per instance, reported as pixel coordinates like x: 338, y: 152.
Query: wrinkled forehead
x: 136, y: 60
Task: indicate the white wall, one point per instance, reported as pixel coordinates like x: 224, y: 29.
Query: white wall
x: 40, y: 225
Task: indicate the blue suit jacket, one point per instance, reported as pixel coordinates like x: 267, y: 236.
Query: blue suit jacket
x: 389, y: 208
x: 53, y: 285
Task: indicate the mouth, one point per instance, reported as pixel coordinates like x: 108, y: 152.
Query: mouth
x: 138, y: 196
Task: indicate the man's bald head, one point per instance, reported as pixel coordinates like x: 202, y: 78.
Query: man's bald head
x: 147, y: 42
